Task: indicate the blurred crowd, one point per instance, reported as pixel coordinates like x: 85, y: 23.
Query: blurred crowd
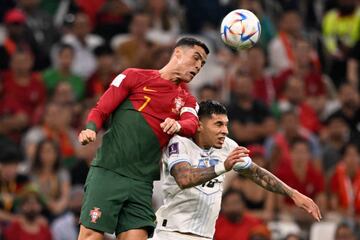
x: 293, y: 100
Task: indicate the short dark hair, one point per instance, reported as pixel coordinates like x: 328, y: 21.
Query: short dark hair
x: 10, y: 155
x: 299, y: 140
x: 191, y: 42
x: 232, y: 191
x: 65, y: 46
x: 103, y: 50
x: 209, y: 107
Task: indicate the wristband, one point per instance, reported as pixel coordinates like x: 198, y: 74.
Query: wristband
x: 219, y: 169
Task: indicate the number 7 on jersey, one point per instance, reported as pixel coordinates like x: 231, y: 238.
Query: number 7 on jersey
x: 147, y: 100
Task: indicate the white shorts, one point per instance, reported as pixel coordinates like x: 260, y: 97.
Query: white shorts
x: 167, y: 235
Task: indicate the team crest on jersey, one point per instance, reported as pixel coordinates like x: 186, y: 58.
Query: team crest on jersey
x: 179, y: 103
x: 174, y: 148
x: 95, y: 214
x: 205, y: 162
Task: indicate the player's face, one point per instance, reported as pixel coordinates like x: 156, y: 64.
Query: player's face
x: 189, y: 61
x: 214, y: 130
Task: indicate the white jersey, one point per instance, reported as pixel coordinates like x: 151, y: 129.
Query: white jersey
x: 192, y: 210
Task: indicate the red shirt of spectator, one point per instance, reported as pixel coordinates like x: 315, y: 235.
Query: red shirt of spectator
x: 16, y: 231
x: 27, y: 97
x: 345, y: 183
x: 226, y: 230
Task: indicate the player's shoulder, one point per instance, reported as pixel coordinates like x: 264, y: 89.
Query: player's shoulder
x: 229, y: 145
x: 180, y: 139
x: 140, y: 71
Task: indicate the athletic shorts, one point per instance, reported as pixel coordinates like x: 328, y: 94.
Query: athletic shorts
x: 168, y: 235
x: 115, y: 204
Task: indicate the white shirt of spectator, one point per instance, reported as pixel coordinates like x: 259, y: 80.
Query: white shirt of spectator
x: 192, y: 210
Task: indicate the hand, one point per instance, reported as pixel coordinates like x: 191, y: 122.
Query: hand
x: 86, y: 136
x: 235, y: 156
x: 307, y: 204
x: 170, y: 126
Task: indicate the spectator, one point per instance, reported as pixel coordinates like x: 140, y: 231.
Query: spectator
x: 292, y: 236
x: 234, y: 222
x: 307, y: 68
x: 83, y: 43
x: 303, y: 176
x: 30, y: 224
x: 341, y: 30
x: 135, y: 51
x: 112, y: 18
x: 345, y: 183
x: 260, y: 232
x: 258, y: 201
x: 23, y: 90
x: 208, y: 92
x: 277, y: 146
x: 11, y: 183
x: 56, y: 125
x: 67, y: 225
x: 40, y: 24
x: 63, y: 72
x: 18, y: 37
x: 52, y: 179
x: 352, y: 66
x: 281, y: 53
x: 164, y: 25
x: 251, y: 121
x: 104, y: 74
x: 294, y: 98
x: 264, y: 88
x: 344, y: 232
x: 350, y: 107
x: 335, y: 136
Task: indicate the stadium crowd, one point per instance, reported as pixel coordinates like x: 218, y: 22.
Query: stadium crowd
x: 293, y: 100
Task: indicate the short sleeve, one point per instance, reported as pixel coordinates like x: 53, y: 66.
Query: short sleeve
x: 176, y: 152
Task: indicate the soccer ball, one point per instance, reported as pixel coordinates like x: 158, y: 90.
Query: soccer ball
x: 240, y: 29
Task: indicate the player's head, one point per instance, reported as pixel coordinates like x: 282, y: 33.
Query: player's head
x: 188, y: 57
x: 213, y: 124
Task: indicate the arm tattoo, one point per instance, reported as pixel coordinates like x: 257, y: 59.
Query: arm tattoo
x: 267, y: 180
x: 187, y: 176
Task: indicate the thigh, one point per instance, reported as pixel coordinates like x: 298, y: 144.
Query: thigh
x: 133, y: 234
x: 105, y: 194
x: 137, y: 212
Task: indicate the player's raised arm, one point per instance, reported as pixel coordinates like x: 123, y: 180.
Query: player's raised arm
x: 114, y: 95
x: 270, y: 182
x: 187, y: 176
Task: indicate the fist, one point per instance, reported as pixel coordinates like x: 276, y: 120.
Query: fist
x: 86, y: 136
x: 170, y: 126
x: 236, y: 156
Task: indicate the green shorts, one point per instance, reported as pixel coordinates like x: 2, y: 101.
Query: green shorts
x: 114, y: 203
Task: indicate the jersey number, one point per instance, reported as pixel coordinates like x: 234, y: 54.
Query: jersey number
x: 210, y: 184
x: 147, y: 100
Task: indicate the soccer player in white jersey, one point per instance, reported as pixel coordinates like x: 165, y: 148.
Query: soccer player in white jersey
x: 193, y: 179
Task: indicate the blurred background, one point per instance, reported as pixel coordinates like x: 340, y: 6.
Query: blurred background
x: 293, y: 100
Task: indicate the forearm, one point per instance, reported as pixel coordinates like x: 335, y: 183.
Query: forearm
x: 267, y: 180
x: 187, y: 177
x: 188, y: 125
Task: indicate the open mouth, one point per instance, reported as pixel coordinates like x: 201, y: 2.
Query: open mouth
x: 193, y: 73
x: 221, y: 139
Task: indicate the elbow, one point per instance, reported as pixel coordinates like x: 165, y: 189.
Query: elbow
x: 183, y: 184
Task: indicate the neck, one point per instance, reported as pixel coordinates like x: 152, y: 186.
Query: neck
x: 201, y: 142
x: 64, y: 71
x: 169, y: 73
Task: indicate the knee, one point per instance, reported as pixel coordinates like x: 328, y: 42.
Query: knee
x: 89, y: 234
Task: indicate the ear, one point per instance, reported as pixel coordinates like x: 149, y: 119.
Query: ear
x: 200, y: 127
x: 178, y: 52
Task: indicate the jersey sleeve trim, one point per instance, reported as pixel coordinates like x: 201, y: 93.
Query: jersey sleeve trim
x: 91, y: 125
x: 189, y: 110
x: 172, y: 164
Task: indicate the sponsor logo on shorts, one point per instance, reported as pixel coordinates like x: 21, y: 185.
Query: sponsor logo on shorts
x: 95, y: 214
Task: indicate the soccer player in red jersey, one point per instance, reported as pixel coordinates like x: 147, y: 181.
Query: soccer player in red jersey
x: 146, y: 108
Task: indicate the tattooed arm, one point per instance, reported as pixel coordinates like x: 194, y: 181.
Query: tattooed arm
x: 270, y: 182
x: 187, y: 176
x: 267, y: 180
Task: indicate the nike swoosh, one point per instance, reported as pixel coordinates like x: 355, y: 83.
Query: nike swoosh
x: 148, y: 89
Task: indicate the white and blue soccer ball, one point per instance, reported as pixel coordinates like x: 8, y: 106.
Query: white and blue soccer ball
x: 240, y: 29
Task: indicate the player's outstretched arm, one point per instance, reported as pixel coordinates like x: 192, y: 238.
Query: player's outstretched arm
x: 270, y: 182
x: 186, y: 176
